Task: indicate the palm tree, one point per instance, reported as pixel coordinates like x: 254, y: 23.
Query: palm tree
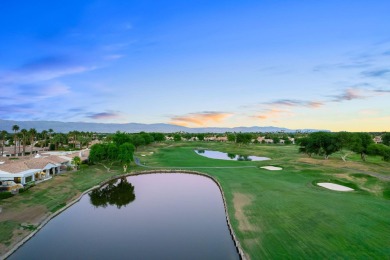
x: 76, y: 161
x: 32, y: 132
x: 15, y: 128
x: 44, y: 137
x: 59, y: 140
x: 73, y: 135
x: 3, y: 136
x: 51, y: 131
x: 24, y: 133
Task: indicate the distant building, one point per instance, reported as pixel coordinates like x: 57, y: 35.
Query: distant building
x: 377, y: 139
x: 221, y: 139
x: 210, y: 138
x: 40, y: 167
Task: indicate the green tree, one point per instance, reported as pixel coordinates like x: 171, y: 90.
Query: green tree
x: 386, y: 139
x: 58, y: 140
x: 231, y: 137
x: 15, y: 128
x: 243, y: 138
x: 32, y: 133
x: 379, y: 149
x: 276, y: 139
x: 286, y: 140
x: 51, y: 132
x: 320, y: 143
x: 97, y: 153
x: 126, y: 152
x: 3, y: 135
x: 306, y: 145
x: 177, y: 137
x: 187, y: 136
x: 138, y: 140
x: 158, y: 137
x: 24, y: 134
x: 360, y: 143
x: 147, y: 137
x: 344, y: 139
x: 120, y: 138
x: 200, y: 137
x: 76, y: 161
x: 44, y: 135
x: 111, y: 151
x: 74, y: 135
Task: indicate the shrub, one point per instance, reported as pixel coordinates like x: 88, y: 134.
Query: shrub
x: 5, y: 195
x: 27, y: 187
x: 386, y: 193
x: 83, y: 166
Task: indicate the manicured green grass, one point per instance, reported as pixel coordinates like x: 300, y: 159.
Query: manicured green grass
x: 290, y: 216
x: 50, y: 196
x: 7, y: 228
x: 294, y: 218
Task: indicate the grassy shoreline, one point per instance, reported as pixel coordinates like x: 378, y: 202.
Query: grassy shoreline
x: 278, y: 214
x: 23, y: 213
x: 273, y: 214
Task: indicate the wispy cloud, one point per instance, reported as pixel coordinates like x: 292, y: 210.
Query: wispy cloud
x: 25, y: 101
x: 32, y: 93
x: 43, y: 69
x: 382, y: 91
x: 273, y: 114
x: 104, y: 116
x: 386, y: 53
x: 113, y: 56
x: 296, y: 103
x: 346, y: 65
x: 39, y: 92
x: 377, y: 73
x: 199, y: 119
x: 349, y: 94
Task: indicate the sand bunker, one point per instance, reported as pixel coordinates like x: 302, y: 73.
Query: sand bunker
x: 333, y: 186
x: 271, y: 168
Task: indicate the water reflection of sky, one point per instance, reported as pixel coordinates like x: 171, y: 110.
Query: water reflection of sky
x: 229, y: 156
x: 174, y: 216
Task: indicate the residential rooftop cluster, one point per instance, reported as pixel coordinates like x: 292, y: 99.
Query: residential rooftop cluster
x: 42, y: 166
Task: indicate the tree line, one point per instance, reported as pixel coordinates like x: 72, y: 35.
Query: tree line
x: 327, y: 143
x: 21, y: 138
x: 240, y: 138
x: 120, y: 147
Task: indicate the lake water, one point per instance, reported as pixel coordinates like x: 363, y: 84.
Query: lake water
x: 229, y: 156
x: 154, y: 216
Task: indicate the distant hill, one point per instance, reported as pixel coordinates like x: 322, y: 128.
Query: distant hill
x: 64, y: 127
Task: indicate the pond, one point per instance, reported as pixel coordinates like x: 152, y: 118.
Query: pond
x: 153, y: 216
x: 229, y: 156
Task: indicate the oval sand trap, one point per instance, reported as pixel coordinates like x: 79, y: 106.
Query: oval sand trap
x: 333, y: 186
x: 271, y: 168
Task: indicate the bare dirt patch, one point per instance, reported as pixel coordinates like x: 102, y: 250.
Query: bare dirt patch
x: 377, y: 171
x: 33, y: 214
x: 240, y: 201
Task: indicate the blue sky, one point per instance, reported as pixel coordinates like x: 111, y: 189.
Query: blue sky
x: 296, y: 64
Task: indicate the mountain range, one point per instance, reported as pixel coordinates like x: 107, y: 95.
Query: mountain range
x: 64, y: 127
